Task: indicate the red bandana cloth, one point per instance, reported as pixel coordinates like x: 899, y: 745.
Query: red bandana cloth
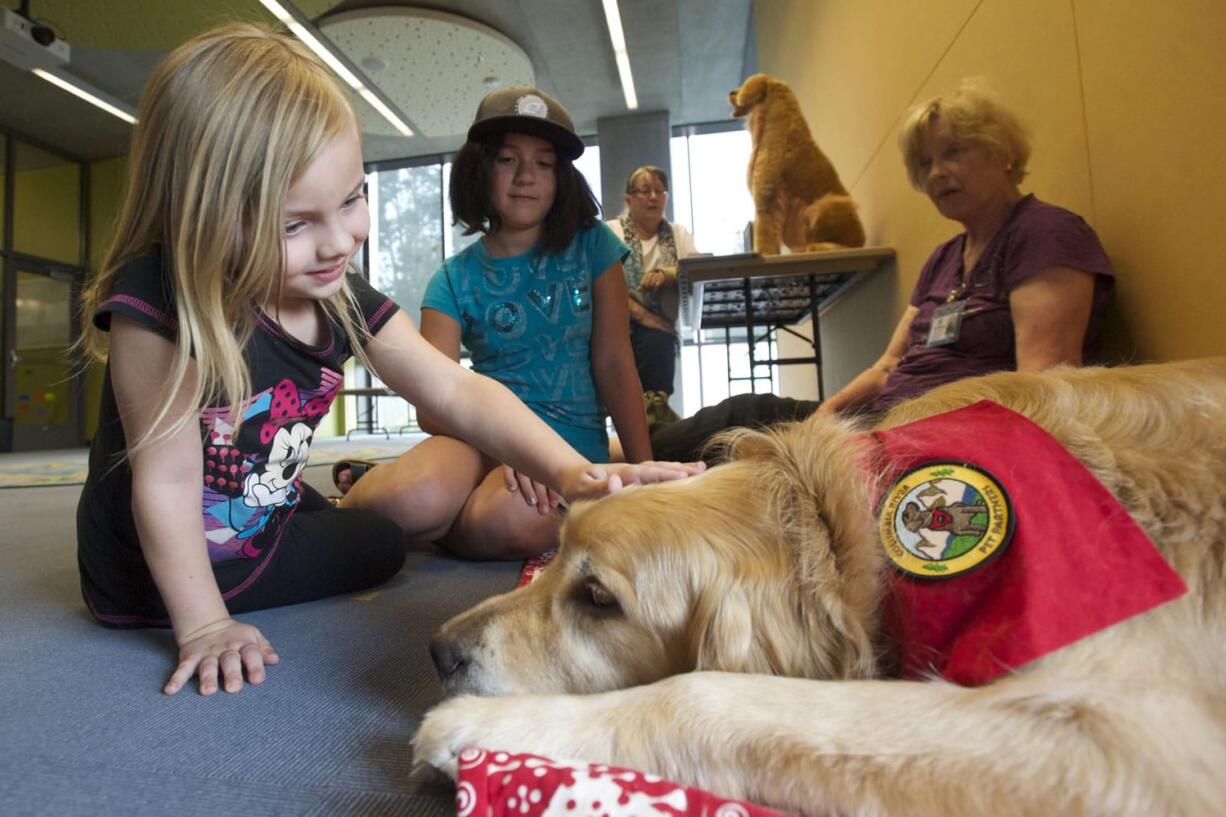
x: 500, y: 784
x: 1049, y: 555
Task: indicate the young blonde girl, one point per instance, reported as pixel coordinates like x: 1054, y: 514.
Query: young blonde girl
x: 231, y: 306
x: 540, y: 303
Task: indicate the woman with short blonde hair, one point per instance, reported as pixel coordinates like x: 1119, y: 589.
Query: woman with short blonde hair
x: 1023, y: 286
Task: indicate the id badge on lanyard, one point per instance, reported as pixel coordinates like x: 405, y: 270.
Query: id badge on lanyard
x: 946, y: 322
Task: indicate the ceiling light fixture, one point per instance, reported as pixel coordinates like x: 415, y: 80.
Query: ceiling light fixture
x: 293, y: 20
x: 93, y: 96
x: 613, y: 17
x: 33, y: 46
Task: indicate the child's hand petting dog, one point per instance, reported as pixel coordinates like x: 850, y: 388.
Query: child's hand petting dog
x: 599, y: 479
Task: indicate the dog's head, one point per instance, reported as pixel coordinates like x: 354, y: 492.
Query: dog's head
x: 755, y: 91
x: 765, y: 564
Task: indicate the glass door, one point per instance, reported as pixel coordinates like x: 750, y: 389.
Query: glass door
x: 42, y: 394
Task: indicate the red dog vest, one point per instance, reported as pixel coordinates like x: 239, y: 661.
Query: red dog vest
x: 1006, y: 546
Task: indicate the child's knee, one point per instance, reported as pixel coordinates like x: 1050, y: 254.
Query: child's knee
x: 413, y: 497
x: 532, y: 537
x: 502, y: 526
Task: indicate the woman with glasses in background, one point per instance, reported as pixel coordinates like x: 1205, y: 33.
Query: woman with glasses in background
x: 651, y: 278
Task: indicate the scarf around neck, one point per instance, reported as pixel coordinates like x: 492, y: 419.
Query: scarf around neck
x: 633, y: 265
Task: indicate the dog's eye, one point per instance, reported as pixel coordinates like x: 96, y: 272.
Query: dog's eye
x: 599, y: 595
x: 596, y: 597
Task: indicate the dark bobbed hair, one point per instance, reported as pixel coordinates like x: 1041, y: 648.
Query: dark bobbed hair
x: 574, y: 207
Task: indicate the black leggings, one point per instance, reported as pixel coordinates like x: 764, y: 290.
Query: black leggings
x: 325, y: 551
x: 655, y: 356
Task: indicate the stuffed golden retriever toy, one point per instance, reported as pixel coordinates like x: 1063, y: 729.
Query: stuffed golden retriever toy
x: 797, y: 196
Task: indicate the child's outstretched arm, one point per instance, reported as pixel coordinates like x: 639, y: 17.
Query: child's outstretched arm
x: 613, y: 369
x: 486, y: 414
x: 443, y: 333
x: 166, y: 498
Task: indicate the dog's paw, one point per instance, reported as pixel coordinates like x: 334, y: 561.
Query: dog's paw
x: 573, y: 726
x: 470, y: 722
x: 445, y: 732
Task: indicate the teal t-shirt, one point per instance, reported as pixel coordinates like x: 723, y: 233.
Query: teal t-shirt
x: 527, y: 322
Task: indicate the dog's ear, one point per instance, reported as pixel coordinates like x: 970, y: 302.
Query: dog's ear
x: 816, y: 501
x: 722, y: 631
x: 751, y: 92
x: 760, y: 627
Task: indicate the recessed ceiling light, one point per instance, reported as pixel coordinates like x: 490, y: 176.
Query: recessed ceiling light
x: 290, y: 16
x: 613, y: 17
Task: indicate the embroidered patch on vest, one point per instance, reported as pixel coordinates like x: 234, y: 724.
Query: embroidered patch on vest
x: 942, y: 519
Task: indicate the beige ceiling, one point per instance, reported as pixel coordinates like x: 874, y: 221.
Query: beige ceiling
x: 435, y: 66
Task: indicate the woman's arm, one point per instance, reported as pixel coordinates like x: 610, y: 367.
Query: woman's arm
x: 1051, y: 311
x: 666, y: 277
x: 166, y: 500
x: 869, y: 383
x: 485, y: 413
x: 442, y: 332
x: 613, y: 368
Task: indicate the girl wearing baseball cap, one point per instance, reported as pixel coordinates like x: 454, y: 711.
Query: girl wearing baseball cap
x: 540, y: 304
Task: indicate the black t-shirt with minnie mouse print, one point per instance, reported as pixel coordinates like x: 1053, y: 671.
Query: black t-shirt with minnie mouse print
x: 251, y: 482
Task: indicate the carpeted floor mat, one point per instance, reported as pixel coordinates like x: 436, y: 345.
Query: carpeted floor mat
x: 85, y: 729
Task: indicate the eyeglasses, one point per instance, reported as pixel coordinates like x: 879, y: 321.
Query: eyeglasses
x: 646, y: 192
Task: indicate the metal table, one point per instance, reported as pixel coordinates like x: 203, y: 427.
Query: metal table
x: 365, y: 421
x: 771, y: 292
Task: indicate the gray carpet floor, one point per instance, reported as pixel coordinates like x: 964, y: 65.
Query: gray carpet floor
x: 86, y: 730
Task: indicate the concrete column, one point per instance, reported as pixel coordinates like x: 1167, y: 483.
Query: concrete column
x: 627, y: 142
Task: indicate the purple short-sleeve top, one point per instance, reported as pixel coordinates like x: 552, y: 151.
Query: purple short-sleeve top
x: 1036, y: 236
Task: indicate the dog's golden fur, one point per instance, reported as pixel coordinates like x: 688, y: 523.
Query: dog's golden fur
x: 798, y: 198
x: 770, y: 565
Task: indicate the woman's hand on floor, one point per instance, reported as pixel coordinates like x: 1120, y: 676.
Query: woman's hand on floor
x: 598, y: 479
x: 226, y: 647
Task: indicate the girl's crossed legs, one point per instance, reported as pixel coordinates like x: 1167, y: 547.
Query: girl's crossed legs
x: 443, y: 490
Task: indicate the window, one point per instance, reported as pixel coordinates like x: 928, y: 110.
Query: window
x: 710, y: 195
x: 406, y: 235
x: 709, y: 191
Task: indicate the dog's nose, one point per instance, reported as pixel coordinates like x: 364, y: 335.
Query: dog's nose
x: 446, y: 655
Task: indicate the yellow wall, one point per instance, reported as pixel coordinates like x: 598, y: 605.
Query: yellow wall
x: 46, y: 212
x: 105, y: 187
x: 1127, y: 110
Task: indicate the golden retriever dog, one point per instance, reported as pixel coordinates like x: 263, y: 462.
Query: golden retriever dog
x: 726, y: 631
x: 798, y: 198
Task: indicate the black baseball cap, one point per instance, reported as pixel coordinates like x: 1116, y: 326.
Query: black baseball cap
x: 527, y: 110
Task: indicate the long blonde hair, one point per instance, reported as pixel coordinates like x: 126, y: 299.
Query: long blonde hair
x: 228, y: 121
